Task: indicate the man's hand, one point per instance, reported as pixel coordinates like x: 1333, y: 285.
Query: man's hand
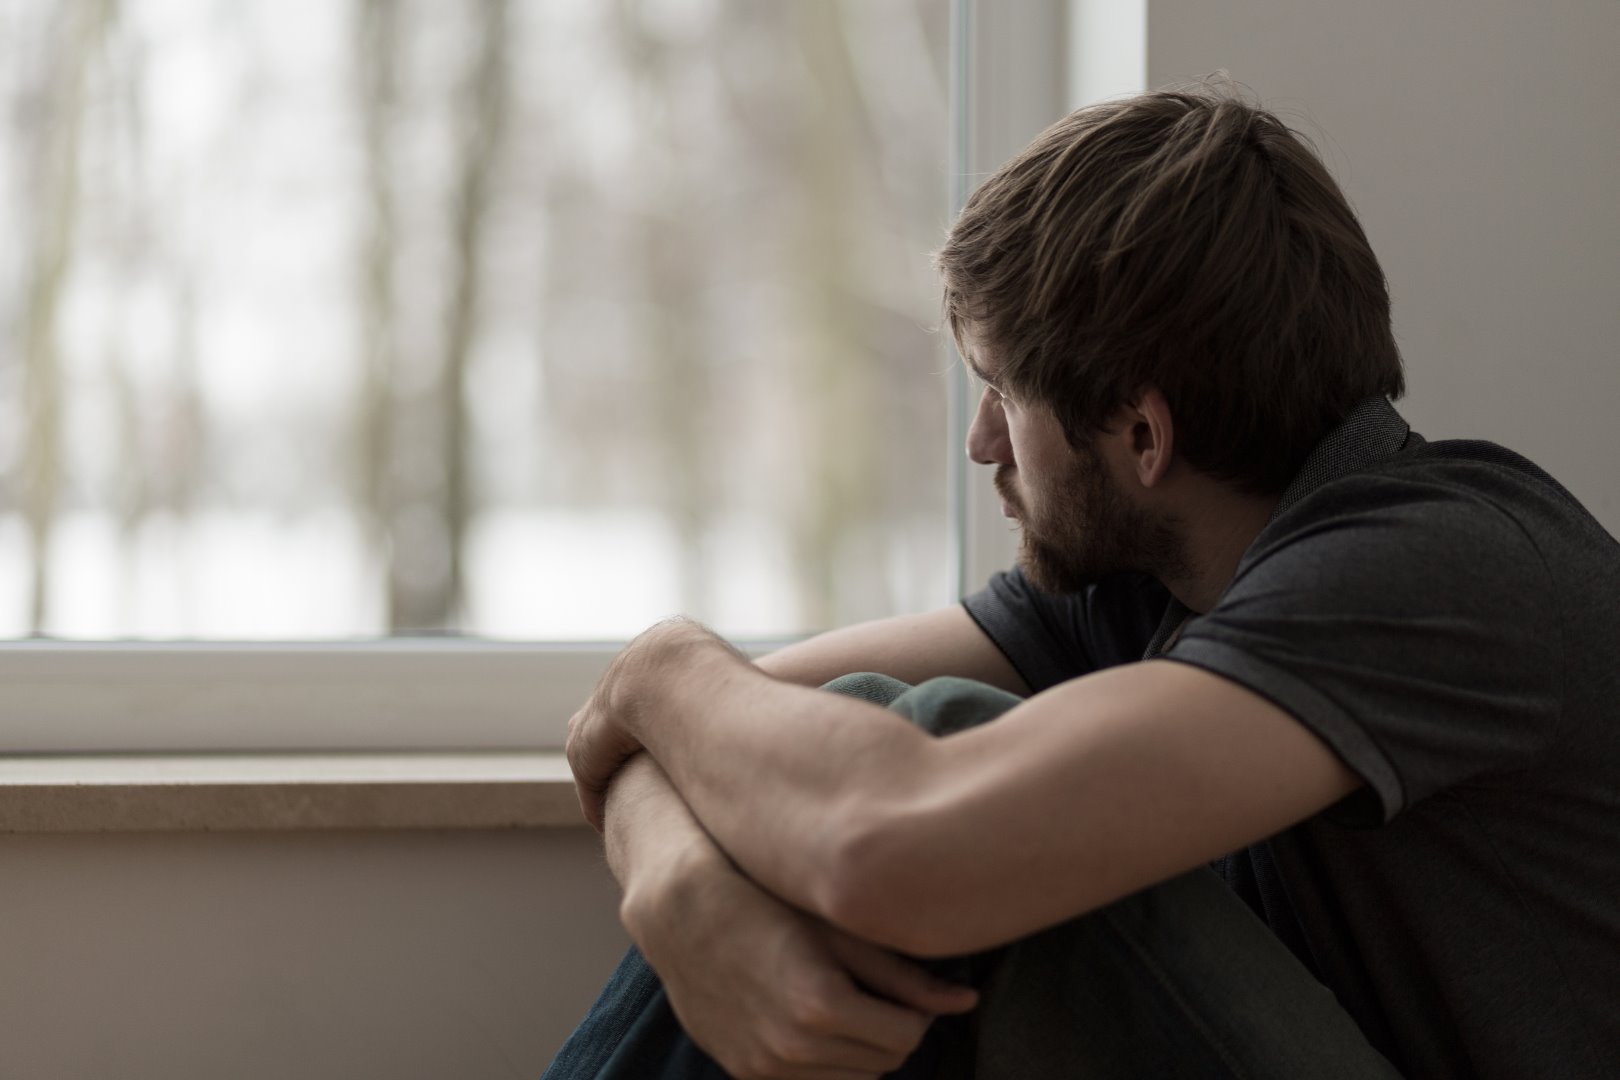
x: 601, y: 735
x: 768, y: 991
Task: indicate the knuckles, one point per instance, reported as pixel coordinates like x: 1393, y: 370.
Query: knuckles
x: 813, y: 1013
x: 811, y: 1004
x: 793, y: 1040
x: 779, y: 1054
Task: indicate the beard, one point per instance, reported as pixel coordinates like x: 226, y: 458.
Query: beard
x: 1084, y: 528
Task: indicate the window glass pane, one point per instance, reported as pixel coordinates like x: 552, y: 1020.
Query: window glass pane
x: 525, y: 319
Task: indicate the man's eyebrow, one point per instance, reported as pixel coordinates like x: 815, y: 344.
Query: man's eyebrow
x: 978, y: 372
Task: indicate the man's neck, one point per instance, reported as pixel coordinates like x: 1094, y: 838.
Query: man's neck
x: 1218, y: 527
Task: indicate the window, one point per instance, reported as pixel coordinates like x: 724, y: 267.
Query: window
x: 525, y: 322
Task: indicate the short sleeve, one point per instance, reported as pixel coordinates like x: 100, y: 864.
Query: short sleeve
x: 1410, y: 624
x: 1050, y: 638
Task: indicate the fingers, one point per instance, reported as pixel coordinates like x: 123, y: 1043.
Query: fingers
x: 771, y: 993
x: 824, y: 1058
x: 826, y: 1026
x: 809, y: 1038
x: 592, y: 765
x: 876, y: 1033
x: 901, y: 980
x: 591, y: 805
x: 592, y: 798
x: 892, y: 1030
x: 838, y: 1073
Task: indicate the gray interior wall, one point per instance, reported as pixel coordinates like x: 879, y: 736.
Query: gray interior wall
x: 200, y: 956
x: 1478, y: 140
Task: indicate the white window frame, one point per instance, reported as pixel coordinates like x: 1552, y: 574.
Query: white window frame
x: 1009, y: 80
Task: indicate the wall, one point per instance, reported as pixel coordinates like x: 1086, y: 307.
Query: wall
x: 1478, y: 140
x: 276, y: 955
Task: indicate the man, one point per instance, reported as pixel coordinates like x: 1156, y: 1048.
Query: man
x: 1257, y: 624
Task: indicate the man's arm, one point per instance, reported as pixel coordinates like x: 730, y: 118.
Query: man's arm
x: 763, y: 988
x: 912, y: 648
x: 1083, y: 794
x: 704, y: 927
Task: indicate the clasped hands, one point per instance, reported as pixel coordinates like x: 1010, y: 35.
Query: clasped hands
x: 767, y: 990
x: 604, y: 733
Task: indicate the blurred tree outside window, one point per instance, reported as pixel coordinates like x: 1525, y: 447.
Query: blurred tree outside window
x: 530, y: 319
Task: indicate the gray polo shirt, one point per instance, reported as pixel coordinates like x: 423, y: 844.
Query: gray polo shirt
x: 1446, y: 617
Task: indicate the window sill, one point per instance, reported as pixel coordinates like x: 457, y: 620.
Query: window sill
x: 222, y: 792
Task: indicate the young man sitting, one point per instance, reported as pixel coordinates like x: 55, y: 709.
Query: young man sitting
x: 1290, y: 748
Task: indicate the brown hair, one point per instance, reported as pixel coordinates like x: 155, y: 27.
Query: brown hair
x: 1189, y: 241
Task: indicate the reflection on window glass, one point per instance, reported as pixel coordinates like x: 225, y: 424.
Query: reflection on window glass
x: 524, y: 319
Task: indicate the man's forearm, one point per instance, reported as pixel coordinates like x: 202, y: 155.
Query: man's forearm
x: 649, y: 832
x: 651, y: 836
x: 648, y: 829
x: 912, y: 648
x: 781, y: 775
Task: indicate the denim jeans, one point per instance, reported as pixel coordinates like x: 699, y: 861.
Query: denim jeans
x: 1178, y: 981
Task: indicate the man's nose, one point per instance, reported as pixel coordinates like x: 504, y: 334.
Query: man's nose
x: 987, y: 442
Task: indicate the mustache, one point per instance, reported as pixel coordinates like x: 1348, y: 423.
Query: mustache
x: 1004, y: 487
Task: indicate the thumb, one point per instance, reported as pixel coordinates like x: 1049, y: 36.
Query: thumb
x: 901, y: 980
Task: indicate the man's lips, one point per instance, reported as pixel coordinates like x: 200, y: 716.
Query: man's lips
x: 1003, y: 485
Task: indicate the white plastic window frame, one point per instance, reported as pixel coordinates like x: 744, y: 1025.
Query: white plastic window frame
x: 1010, y: 78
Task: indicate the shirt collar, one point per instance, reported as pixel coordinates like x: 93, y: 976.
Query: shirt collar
x: 1373, y: 430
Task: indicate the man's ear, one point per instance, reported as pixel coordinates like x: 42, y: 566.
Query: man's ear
x: 1151, y: 433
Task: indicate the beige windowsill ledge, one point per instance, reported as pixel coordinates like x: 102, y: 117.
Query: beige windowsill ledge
x: 220, y: 792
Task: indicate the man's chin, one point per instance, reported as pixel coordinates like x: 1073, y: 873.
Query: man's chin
x: 1056, y: 571
x: 1047, y: 572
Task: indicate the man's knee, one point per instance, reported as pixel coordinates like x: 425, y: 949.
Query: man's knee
x: 868, y: 686
x: 940, y: 706
x: 948, y: 704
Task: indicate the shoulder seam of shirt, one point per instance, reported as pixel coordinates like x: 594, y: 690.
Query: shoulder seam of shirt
x: 1194, y: 642
x: 996, y: 641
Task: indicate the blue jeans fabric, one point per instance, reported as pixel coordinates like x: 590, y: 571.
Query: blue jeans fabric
x: 1180, y: 981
